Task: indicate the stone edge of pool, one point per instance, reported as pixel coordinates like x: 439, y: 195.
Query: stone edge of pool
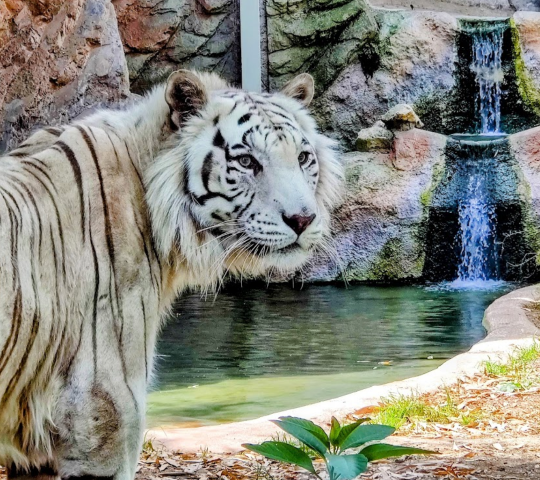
x: 505, y: 321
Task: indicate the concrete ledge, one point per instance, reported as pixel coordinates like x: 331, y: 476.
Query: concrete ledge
x: 507, y: 326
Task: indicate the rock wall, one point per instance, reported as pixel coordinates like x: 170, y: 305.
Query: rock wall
x: 380, y: 230
x: 57, y: 58
x: 366, y: 60
x: 399, y: 221
x: 60, y: 58
x: 478, y: 8
x: 160, y: 36
x: 526, y: 43
x: 526, y: 150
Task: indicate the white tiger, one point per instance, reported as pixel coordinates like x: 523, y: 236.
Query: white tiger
x: 104, y: 222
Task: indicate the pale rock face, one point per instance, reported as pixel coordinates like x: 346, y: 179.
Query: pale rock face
x: 483, y: 8
x: 57, y: 58
x: 378, y: 229
x: 416, y: 53
x: 377, y: 137
x: 526, y: 149
x: 401, y: 117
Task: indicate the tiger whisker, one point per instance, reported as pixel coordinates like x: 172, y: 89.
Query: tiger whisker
x: 219, y: 225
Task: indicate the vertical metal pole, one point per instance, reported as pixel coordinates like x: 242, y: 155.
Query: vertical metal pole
x: 250, y: 44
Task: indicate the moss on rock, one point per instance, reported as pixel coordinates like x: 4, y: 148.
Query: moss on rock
x: 427, y: 195
x: 530, y: 94
x: 397, y: 261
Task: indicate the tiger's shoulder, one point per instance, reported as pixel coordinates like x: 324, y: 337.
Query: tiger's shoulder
x: 39, y: 140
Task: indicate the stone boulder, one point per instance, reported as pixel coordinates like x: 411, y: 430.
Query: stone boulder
x: 412, y: 149
x: 57, y: 58
x: 525, y: 147
x: 401, y: 117
x: 377, y: 137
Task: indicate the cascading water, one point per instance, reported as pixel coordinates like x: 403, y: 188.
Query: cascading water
x: 487, y: 66
x: 476, y: 236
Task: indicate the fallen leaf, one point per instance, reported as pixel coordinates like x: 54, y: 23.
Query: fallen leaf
x: 366, y: 410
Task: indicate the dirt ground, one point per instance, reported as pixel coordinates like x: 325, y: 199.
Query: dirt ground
x: 493, y: 433
x: 501, y: 441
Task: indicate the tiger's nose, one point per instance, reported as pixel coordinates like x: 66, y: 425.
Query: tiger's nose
x: 298, y: 223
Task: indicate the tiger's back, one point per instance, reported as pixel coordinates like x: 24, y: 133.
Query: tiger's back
x: 74, y: 298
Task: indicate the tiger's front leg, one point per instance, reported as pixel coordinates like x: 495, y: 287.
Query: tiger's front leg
x: 102, y: 425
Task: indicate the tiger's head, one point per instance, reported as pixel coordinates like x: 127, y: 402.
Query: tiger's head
x: 246, y: 181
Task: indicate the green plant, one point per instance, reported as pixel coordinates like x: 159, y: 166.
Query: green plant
x: 204, y: 453
x: 331, y: 447
x: 518, y: 371
x: 399, y: 410
x: 148, y: 445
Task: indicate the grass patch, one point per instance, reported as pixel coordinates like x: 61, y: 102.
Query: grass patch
x: 519, y: 371
x: 400, y: 410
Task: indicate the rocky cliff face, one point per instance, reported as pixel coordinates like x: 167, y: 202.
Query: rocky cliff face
x: 366, y: 60
x: 57, y: 58
x: 477, y: 8
x: 413, y: 61
x: 160, y: 36
x: 380, y: 230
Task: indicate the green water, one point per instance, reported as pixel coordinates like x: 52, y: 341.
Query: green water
x: 256, y: 351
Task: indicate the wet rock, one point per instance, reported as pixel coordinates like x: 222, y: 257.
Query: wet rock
x: 57, y: 58
x: 401, y: 117
x: 377, y: 137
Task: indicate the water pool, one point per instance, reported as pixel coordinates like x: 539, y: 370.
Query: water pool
x: 255, y: 351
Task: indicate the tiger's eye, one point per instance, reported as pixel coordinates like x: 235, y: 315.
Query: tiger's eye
x: 303, y: 157
x: 246, y: 161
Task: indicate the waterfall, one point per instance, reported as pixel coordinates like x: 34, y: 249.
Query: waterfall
x: 476, y: 234
x: 476, y: 237
x: 487, y: 66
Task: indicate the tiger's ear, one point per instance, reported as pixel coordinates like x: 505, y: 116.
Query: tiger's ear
x: 185, y: 94
x: 301, y: 88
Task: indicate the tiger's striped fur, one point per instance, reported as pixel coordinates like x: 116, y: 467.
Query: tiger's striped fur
x: 104, y: 221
